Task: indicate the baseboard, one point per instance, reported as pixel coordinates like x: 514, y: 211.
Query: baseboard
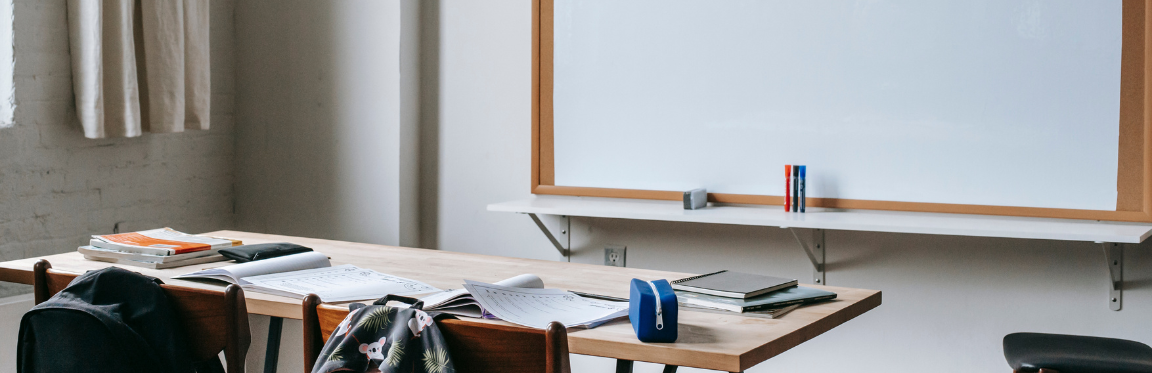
x: 15, y: 299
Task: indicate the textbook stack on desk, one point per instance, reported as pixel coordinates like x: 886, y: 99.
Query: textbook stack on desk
x: 156, y: 248
x: 148, y: 260
x: 771, y: 313
x: 755, y: 295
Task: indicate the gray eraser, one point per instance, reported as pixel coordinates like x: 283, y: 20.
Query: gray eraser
x: 695, y: 199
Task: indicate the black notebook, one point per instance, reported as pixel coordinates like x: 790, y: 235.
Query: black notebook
x: 733, y: 284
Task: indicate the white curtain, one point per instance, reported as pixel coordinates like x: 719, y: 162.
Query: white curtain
x: 140, y: 65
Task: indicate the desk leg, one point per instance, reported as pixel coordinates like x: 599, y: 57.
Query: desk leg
x: 623, y: 366
x: 272, y: 353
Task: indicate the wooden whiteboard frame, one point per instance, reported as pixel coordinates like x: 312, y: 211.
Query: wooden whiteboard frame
x: 1134, y: 173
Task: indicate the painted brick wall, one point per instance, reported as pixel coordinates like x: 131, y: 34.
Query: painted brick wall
x: 56, y: 187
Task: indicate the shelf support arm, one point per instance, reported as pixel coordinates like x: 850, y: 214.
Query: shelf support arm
x: 561, y: 241
x: 814, y: 248
x: 1114, y: 254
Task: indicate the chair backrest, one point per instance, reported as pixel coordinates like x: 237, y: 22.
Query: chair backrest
x: 214, y: 321
x: 474, y: 346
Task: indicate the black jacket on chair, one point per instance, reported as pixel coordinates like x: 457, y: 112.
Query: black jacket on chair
x: 110, y: 320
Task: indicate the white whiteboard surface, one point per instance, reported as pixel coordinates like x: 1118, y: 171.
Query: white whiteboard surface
x: 986, y: 102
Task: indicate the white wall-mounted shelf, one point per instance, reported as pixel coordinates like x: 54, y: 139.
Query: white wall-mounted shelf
x: 1112, y: 235
x: 853, y: 220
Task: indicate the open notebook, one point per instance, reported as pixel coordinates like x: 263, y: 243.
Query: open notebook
x: 536, y: 308
x: 524, y: 300
x: 460, y: 303
x: 298, y: 275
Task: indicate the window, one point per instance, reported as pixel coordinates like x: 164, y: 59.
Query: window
x: 7, y: 67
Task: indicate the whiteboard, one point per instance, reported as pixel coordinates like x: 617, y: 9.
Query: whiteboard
x: 986, y: 102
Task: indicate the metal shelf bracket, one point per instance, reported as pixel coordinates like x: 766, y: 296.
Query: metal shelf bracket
x: 815, y: 248
x: 558, y: 235
x: 1114, y: 253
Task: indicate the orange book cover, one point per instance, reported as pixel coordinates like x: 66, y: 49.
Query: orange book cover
x: 137, y: 239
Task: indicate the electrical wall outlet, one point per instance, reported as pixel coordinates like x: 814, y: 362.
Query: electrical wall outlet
x: 615, y: 255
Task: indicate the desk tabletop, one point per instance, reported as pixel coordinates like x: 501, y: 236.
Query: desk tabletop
x: 706, y: 340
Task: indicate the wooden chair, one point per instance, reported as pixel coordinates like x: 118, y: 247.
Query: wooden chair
x: 475, y: 347
x: 214, y: 321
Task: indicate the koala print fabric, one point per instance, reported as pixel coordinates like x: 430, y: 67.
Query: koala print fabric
x: 385, y: 339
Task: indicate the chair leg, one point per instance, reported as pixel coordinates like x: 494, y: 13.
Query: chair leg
x: 669, y: 368
x: 313, y: 342
x: 556, y: 349
x: 239, y: 334
x: 40, y: 281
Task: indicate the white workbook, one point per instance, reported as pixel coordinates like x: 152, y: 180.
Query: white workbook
x: 536, y: 308
x: 341, y: 283
x: 237, y: 272
x: 458, y: 302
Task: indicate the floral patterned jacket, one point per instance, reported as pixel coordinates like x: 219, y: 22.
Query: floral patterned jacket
x: 385, y: 339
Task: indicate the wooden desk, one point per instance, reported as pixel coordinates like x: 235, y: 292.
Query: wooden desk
x: 707, y: 340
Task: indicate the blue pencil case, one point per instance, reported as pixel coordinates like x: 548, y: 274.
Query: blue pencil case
x: 652, y: 310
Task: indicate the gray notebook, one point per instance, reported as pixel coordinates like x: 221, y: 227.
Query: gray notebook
x: 733, y: 284
x: 783, y: 298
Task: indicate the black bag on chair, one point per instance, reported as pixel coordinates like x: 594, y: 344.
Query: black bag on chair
x: 380, y: 338
x: 109, y: 320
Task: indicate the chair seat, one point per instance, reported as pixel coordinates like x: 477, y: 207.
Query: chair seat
x: 1076, y: 354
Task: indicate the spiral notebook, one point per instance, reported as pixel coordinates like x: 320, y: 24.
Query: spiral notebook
x: 733, y: 284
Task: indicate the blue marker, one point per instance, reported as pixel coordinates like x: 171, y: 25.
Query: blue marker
x: 803, y: 178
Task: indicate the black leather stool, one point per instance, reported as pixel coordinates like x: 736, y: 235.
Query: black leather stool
x: 1050, y: 353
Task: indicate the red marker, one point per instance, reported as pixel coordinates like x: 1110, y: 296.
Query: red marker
x: 787, y: 188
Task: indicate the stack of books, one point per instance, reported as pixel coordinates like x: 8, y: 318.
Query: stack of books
x: 156, y: 248
x: 745, y: 293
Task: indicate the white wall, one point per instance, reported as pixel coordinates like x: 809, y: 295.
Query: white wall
x: 948, y: 300
x: 320, y: 151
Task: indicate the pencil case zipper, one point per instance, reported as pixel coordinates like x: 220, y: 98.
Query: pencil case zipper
x: 659, y: 310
